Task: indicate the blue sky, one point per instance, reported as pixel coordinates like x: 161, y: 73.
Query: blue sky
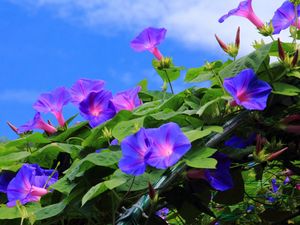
x: 46, y: 44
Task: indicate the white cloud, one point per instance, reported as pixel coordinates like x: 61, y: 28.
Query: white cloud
x: 19, y: 96
x: 192, y: 23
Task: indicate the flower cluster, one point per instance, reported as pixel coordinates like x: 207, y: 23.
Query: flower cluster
x: 95, y: 104
x: 29, y: 184
x: 157, y: 147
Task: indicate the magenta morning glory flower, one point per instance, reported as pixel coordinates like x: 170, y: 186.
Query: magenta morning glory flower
x: 244, y: 10
x: 37, y: 123
x: 81, y: 89
x: 247, y: 90
x: 97, y: 108
x: 167, y: 145
x: 134, y: 148
x: 127, y: 100
x: 284, y: 17
x: 149, y: 39
x: 53, y: 102
x: 30, y: 184
x: 5, y: 178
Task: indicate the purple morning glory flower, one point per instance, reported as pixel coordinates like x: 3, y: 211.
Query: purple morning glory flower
x: 81, y: 89
x: 244, y: 10
x: 250, y: 208
x: 149, y: 39
x: 5, y: 178
x: 127, y: 100
x: 29, y: 184
x: 53, y: 102
x: 247, y: 90
x: 134, y: 148
x: 220, y: 178
x: 167, y: 145
x: 237, y: 142
x: 37, y: 123
x: 284, y: 17
x: 162, y: 213
x: 286, y: 180
x: 97, y: 108
x: 275, y: 187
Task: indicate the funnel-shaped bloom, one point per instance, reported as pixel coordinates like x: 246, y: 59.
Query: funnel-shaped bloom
x: 275, y: 186
x: 167, y: 145
x: 220, y: 178
x: 134, y: 148
x: 149, y: 39
x: 37, y: 123
x: 284, y: 17
x: 81, y: 89
x: 30, y: 184
x: 247, y: 90
x: 97, y: 108
x: 127, y: 100
x: 5, y: 178
x: 53, y: 102
x: 244, y: 10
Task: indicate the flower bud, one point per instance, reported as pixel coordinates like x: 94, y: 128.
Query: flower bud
x: 276, y: 154
x: 107, y: 133
x: 237, y: 38
x: 295, y: 59
x: 222, y: 44
x: 281, y: 52
x: 151, y: 192
x: 258, y: 44
x: 14, y: 128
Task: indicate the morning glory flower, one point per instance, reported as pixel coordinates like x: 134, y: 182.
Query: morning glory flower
x: 237, y: 142
x: 30, y: 184
x: 284, y: 17
x: 149, y: 39
x: 220, y: 178
x: 163, y: 213
x: 5, y: 178
x: 127, y: 100
x: 167, y: 145
x: 247, y: 90
x: 244, y: 10
x: 134, y: 148
x: 81, y: 89
x: 53, y: 102
x: 275, y: 187
x: 97, y: 108
x: 37, y: 123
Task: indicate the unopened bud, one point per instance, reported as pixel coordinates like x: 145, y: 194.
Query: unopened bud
x: 280, y: 50
x: 296, y: 2
x: 152, y: 192
x: 237, y: 38
x: 276, y: 154
x: 107, y: 133
x: 258, y: 44
x: 222, y: 44
x: 14, y: 128
x: 295, y: 59
x: 165, y: 63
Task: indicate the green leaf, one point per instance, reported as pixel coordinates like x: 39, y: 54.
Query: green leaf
x: 47, y: 154
x: 206, y: 105
x: 254, y: 60
x: 294, y: 73
x: 199, y: 158
x: 102, y: 187
x: 143, y: 84
x: 36, y: 138
x: 126, y: 128
x: 13, y: 213
x: 285, y: 89
x: 200, y: 74
x: 12, y: 158
x: 72, y: 131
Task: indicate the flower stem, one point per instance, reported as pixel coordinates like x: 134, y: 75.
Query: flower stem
x: 216, y: 75
x: 169, y: 81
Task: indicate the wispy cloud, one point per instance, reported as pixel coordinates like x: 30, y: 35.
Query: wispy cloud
x: 192, y: 23
x: 19, y: 96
